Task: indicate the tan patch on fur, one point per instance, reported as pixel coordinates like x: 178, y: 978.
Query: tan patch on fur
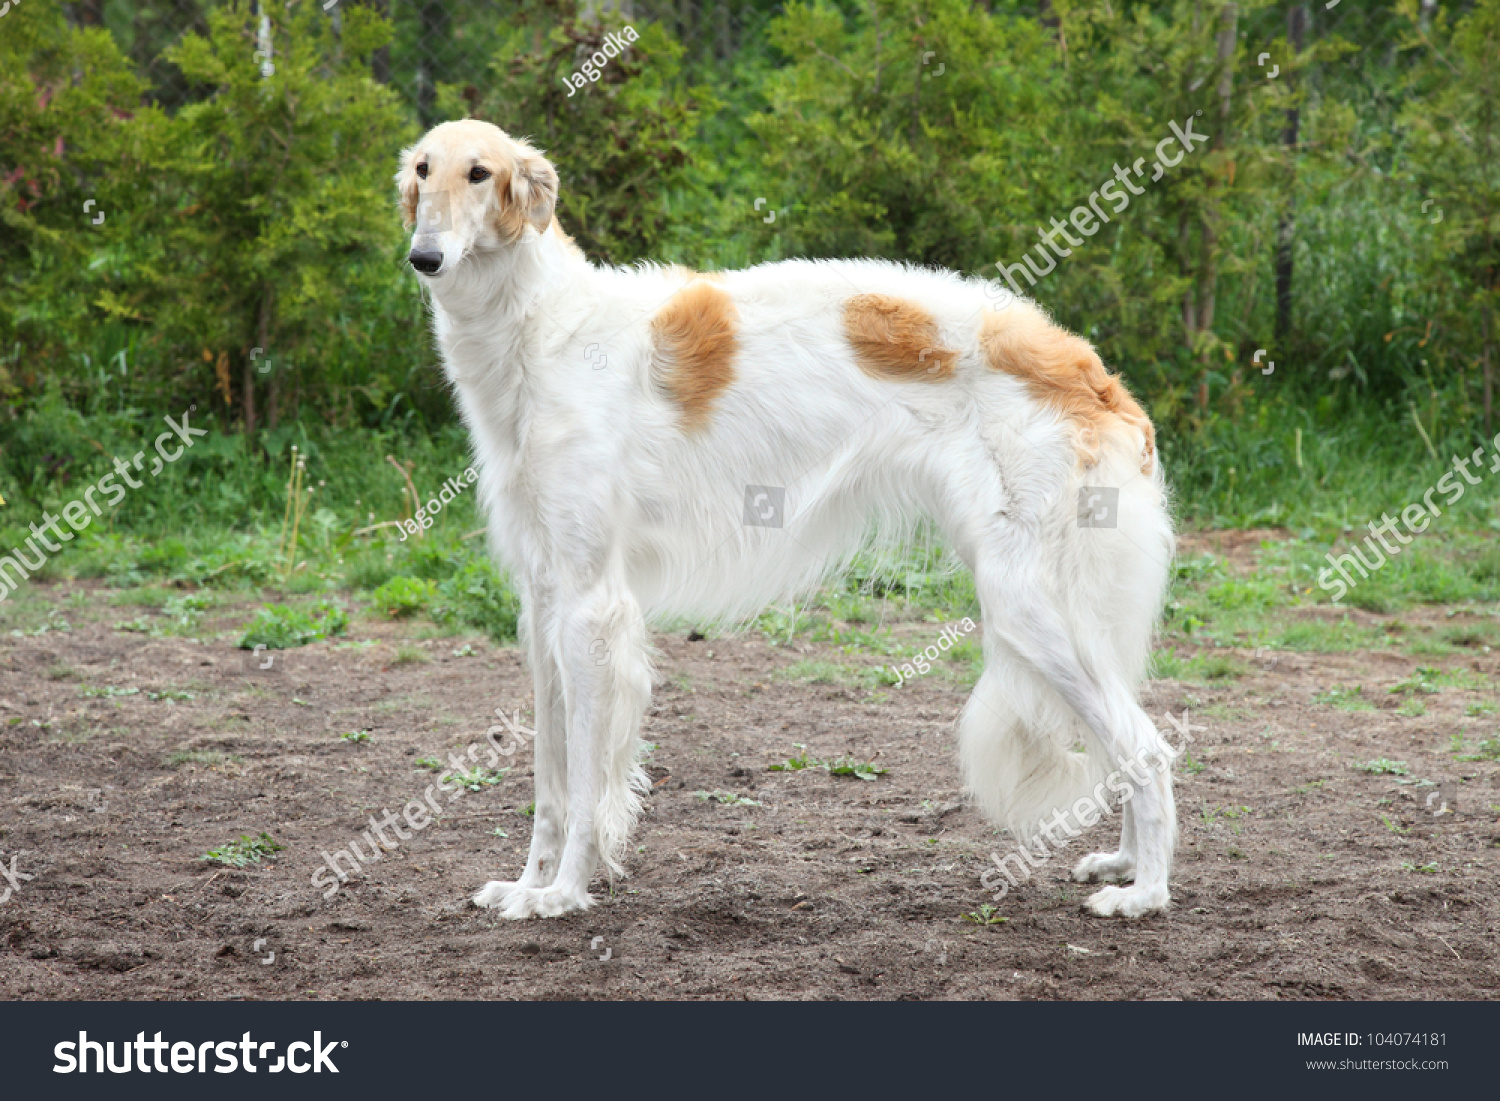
x: 894, y: 338
x: 1065, y: 371
x: 695, y: 346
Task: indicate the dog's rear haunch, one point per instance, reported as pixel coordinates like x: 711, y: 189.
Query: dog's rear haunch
x: 624, y: 419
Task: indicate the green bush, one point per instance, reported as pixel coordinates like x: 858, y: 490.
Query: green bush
x: 279, y: 627
x: 477, y: 597
x: 404, y: 596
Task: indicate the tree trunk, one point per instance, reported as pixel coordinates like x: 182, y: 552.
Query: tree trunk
x: 380, y: 60
x: 1296, y: 29
x: 263, y: 339
x: 1487, y: 359
x: 91, y: 13
x: 433, y: 47
x: 1208, y: 263
x: 1189, y: 301
x: 1229, y: 17
x: 247, y: 398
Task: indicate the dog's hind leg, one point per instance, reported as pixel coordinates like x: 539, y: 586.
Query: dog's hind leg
x: 1029, y: 625
x: 1118, y: 581
x: 550, y: 764
x: 600, y: 646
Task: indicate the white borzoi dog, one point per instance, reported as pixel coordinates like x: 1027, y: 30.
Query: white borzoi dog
x: 653, y: 441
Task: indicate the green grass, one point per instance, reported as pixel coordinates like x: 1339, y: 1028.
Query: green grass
x: 728, y: 798
x: 1486, y: 750
x: 986, y: 915
x: 407, y: 654
x: 1383, y: 766
x: 1345, y: 699
x: 108, y: 691
x: 843, y: 766
x: 1202, y: 668
x: 208, y: 757
x: 1424, y: 869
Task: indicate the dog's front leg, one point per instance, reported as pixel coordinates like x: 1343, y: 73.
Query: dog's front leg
x: 550, y: 764
x: 600, y: 646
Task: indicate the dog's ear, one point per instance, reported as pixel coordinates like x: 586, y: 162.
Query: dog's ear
x: 532, y: 194
x: 406, y: 184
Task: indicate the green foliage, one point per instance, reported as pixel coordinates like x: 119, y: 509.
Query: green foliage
x: 478, y: 778
x: 280, y: 627
x: 986, y: 915
x: 842, y: 766
x: 246, y: 210
x: 476, y: 596
x: 245, y: 850
x: 403, y: 596
x: 727, y: 798
x: 618, y: 144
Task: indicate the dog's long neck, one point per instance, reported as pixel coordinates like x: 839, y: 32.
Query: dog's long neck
x: 502, y: 285
x: 485, y: 317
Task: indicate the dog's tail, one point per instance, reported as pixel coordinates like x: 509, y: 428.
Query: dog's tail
x: 1108, y: 551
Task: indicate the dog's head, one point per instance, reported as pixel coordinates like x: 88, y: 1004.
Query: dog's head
x: 469, y: 187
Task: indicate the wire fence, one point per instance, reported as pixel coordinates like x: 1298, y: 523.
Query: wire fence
x: 435, y: 42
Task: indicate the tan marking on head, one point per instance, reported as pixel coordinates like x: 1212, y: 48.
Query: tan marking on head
x: 521, y: 190
x: 694, y: 349
x: 894, y: 338
x: 1064, y: 371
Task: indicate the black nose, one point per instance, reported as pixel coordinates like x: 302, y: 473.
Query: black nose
x: 426, y: 261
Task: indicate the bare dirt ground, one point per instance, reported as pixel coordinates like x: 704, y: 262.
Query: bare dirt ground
x: 1298, y: 875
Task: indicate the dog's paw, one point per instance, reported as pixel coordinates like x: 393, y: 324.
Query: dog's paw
x: 1108, y: 867
x: 494, y: 894
x: 516, y: 902
x: 1128, y: 902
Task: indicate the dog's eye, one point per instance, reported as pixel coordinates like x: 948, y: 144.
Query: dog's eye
x: 422, y: 170
x: 478, y: 174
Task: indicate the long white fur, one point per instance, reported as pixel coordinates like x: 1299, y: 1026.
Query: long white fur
x: 608, y: 512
